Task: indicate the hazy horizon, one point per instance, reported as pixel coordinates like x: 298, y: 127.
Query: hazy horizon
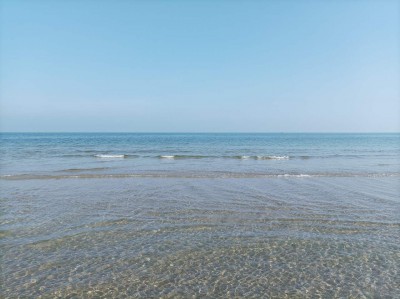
x: 200, y: 67
x: 186, y: 132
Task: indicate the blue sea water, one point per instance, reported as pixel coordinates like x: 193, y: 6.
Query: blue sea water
x: 121, y: 215
x: 199, y: 154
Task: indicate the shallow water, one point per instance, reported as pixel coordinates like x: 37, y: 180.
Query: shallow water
x: 178, y: 228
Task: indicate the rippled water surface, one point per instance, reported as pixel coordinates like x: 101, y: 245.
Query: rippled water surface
x: 316, y: 216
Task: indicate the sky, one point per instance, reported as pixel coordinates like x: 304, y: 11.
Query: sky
x: 199, y: 66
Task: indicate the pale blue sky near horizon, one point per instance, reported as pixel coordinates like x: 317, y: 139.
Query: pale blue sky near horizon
x: 200, y: 66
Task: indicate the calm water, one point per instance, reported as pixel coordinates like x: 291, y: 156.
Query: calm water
x: 203, y: 215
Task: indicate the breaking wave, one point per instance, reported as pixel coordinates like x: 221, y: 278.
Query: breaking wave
x: 272, y: 157
x: 193, y: 175
x: 243, y: 157
x: 110, y: 156
x: 185, y: 157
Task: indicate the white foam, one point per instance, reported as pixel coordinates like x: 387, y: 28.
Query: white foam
x: 272, y: 157
x: 167, y: 157
x: 110, y: 156
x: 245, y: 157
x: 294, y: 175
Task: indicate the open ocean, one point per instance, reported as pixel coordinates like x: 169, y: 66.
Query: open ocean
x: 116, y: 215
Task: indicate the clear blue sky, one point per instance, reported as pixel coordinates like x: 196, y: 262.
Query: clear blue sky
x: 200, y: 66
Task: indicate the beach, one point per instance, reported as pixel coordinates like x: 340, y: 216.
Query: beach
x: 200, y: 215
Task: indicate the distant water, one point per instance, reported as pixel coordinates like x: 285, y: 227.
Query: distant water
x: 203, y: 215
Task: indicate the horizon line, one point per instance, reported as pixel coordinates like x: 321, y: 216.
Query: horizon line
x: 188, y: 132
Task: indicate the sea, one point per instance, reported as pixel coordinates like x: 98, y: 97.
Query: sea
x: 182, y: 215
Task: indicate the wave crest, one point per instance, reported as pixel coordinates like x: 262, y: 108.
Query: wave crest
x: 193, y: 175
x: 109, y: 156
x: 242, y: 157
x: 272, y: 157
